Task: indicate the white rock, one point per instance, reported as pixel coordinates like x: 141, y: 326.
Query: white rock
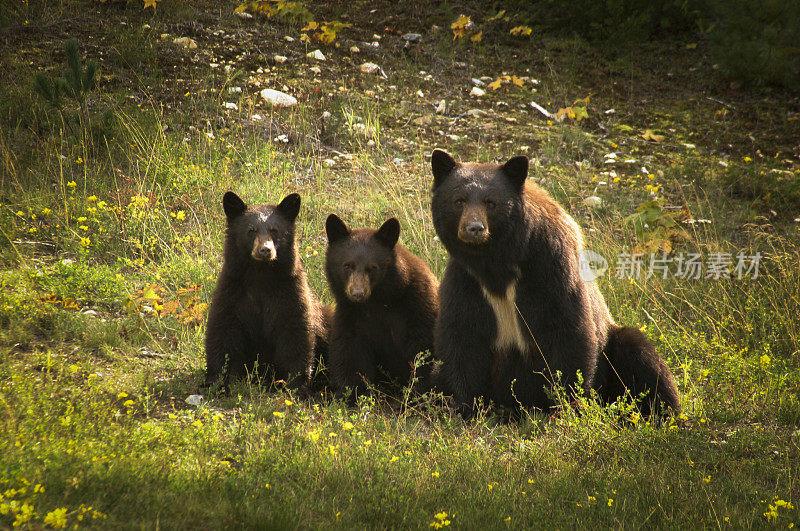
x: 244, y: 16
x: 369, y: 68
x: 234, y: 90
x: 477, y: 113
x: 593, y: 201
x: 230, y: 106
x: 256, y: 118
x: 328, y: 163
x: 477, y: 82
x: 280, y: 59
x: 186, y: 42
x: 442, y: 107
x: 478, y: 92
x: 354, y: 49
x: 288, y: 39
x: 278, y: 98
x: 316, y: 70
x: 194, y: 400
x: 316, y: 54
x: 326, y: 115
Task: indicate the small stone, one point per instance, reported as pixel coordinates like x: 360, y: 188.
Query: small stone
x: 244, y: 16
x: 477, y: 82
x: 230, y: 106
x: 328, y: 163
x: 186, y: 42
x: 593, y: 201
x: 256, y: 118
x: 234, y: 90
x: 412, y: 37
x: 288, y: 39
x: 420, y: 94
x: 477, y: 113
x: 280, y: 59
x: 369, y: 68
x: 477, y: 92
x: 326, y: 115
x: 442, y: 107
x: 454, y: 138
x: 194, y: 400
x: 354, y: 49
x: 278, y: 98
x: 316, y: 70
x: 316, y: 54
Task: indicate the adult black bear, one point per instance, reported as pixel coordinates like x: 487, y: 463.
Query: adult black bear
x: 515, y: 315
x: 386, y: 305
x: 263, y: 314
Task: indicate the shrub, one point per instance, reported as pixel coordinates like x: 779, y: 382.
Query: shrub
x: 755, y: 41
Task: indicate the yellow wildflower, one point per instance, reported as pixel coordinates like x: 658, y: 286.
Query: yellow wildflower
x: 56, y: 518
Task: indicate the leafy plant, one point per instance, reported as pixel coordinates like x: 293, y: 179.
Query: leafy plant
x: 288, y: 12
x: 577, y: 111
x: 78, y: 81
x: 325, y: 32
x: 655, y: 228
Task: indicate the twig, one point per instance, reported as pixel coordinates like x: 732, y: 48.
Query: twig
x: 545, y: 112
x: 721, y: 102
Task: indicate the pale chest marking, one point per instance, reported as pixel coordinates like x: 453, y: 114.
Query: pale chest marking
x: 509, y: 331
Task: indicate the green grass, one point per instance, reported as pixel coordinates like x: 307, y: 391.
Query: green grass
x: 110, y: 247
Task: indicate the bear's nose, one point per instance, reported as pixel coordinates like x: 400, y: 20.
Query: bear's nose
x: 475, y: 228
x: 357, y: 293
x: 266, y: 252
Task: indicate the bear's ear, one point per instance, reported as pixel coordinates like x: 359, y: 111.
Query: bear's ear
x: 516, y: 170
x: 290, y: 206
x: 442, y: 163
x: 336, y: 229
x: 233, y: 206
x: 389, y: 233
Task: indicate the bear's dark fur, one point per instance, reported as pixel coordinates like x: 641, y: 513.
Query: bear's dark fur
x: 515, y: 312
x: 386, y: 306
x: 263, y: 315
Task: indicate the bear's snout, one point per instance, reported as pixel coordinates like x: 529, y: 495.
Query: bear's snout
x: 264, y: 250
x: 357, y: 289
x: 473, y: 230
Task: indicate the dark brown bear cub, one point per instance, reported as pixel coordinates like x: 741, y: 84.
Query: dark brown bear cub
x: 386, y: 306
x: 263, y: 315
x: 515, y: 316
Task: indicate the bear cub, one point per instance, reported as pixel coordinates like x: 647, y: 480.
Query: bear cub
x: 516, y: 317
x: 263, y: 316
x: 386, y: 306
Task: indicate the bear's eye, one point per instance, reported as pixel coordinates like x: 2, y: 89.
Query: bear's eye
x: 373, y: 268
x: 459, y: 202
x: 273, y: 230
x: 253, y: 229
x: 348, y: 266
x: 489, y: 203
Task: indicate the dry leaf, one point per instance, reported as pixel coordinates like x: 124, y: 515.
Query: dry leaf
x: 649, y: 135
